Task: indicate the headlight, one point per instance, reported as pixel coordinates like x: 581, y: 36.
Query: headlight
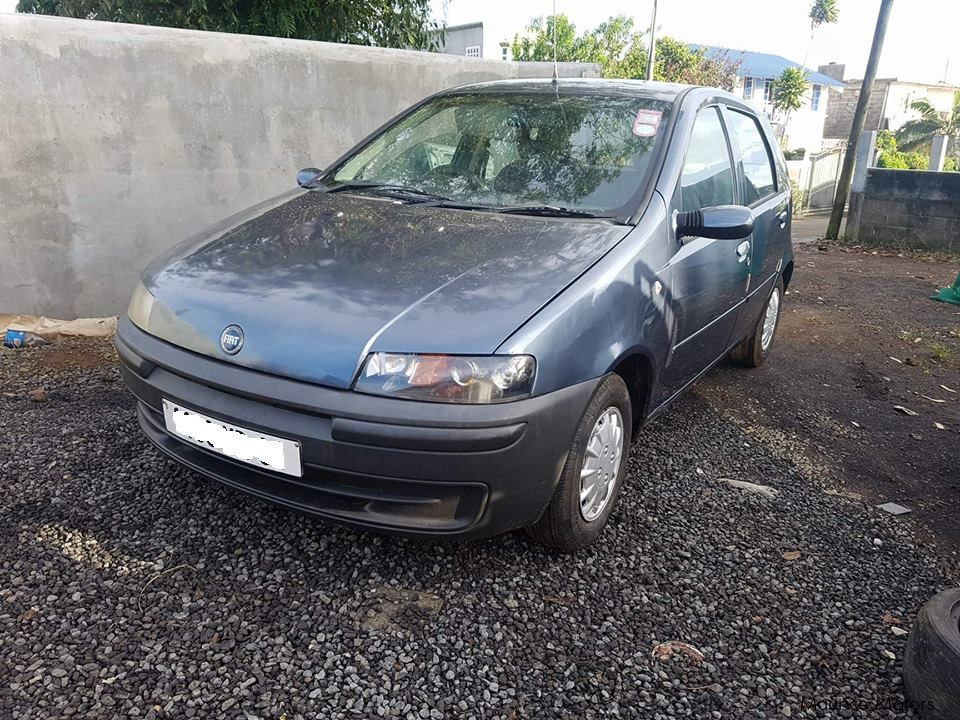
x: 448, y: 378
x: 140, y: 307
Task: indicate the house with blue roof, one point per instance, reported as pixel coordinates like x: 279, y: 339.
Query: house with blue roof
x: 756, y: 75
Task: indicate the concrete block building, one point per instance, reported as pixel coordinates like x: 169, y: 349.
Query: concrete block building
x: 889, y: 106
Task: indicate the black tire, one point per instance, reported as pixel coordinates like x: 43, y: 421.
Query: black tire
x: 751, y: 352
x: 931, y: 666
x: 563, y: 525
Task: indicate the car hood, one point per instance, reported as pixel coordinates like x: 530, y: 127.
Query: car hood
x: 318, y: 280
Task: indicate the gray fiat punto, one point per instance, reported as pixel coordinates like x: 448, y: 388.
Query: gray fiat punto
x: 457, y: 328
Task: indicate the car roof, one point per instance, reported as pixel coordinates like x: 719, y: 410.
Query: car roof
x: 578, y: 86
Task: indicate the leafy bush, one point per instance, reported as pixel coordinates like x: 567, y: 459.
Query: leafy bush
x: 951, y: 165
x: 917, y: 161
x: 903, y: 161
x: 892, y: 158
x: 798, y: 196
x: 795, y: 154
x: 886, y: 141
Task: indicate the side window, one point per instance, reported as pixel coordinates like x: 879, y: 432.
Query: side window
x: 707, y: 177
x: 755, y: 157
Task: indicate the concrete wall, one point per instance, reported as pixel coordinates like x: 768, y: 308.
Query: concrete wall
x: 911, y: 209
x: 117, y: 141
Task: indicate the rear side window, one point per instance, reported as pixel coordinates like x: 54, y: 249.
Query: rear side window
x: 754, y: 158
x: 707, y: 177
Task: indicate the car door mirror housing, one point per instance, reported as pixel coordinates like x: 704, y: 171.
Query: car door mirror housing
x: 308, y: 175
x: 721, y: 222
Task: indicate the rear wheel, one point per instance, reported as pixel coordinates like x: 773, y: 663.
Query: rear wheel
x: 593, y: 473
x: 753, y: 351
x: 931, y: 665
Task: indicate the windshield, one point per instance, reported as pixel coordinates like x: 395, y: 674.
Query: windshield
x: 587, y: 153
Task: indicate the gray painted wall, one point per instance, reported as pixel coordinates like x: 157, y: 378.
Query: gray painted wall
x: 117, y: 141
x: 913, y: 209
x: 458, y: 38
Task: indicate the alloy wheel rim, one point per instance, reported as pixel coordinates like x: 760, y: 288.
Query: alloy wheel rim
x: 601, y: 464
x: 770, y: 320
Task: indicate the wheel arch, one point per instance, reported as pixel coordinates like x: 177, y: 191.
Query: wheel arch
x: 636, y: 369
x: 787, y: 274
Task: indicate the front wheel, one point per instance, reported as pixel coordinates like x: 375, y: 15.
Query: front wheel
x: 753, y: 351
x: 593, y: 472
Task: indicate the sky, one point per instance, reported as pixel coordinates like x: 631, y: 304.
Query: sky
x: 920, y: 39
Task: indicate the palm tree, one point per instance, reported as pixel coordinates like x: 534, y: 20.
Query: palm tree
x: 919, y: 132
x: 821, y: 12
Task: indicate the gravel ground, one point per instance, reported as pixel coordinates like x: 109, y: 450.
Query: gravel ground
x: 130, y: 587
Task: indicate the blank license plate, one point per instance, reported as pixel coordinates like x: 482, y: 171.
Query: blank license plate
x: 263, y: 451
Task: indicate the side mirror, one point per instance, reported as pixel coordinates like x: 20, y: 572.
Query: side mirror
x: 722, y: 222
x: 308, y: 175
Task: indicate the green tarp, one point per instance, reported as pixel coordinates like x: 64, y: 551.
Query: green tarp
x: 949, y: 294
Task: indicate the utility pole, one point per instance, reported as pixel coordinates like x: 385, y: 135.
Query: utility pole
x: 652, y: 52
x: 866, y: 88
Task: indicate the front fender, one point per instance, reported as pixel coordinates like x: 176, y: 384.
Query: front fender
x: 618, y: 308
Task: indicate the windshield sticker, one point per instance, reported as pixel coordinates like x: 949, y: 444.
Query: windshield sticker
x: 646, y: 123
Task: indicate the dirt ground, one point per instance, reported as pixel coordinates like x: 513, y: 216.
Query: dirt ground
x: 858, y: 338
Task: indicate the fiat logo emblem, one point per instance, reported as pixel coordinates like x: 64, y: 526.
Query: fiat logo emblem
x: 231, y: 339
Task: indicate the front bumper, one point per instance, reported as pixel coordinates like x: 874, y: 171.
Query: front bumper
x: 412, y: 468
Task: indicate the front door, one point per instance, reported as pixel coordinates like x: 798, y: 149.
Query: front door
x: 767, y: 193
x: 707, y: 279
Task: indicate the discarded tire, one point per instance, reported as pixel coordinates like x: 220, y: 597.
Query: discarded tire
x: 931, y: 666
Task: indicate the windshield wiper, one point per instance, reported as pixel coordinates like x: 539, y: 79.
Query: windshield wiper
x: 386, y: 189
x: 545, y: 211
x: 433, y: 200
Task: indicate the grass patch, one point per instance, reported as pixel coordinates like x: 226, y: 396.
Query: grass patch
x: 940, y: 352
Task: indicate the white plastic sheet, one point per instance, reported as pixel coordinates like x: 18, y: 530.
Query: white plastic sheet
x: 50, y: 328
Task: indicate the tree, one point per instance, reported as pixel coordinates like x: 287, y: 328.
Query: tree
x: 788, y: 93
x: 621, y: 53
x: 676, y: 62
x: 616, y: 47
x: 385, y: 23
x: 789, y: 89
x: 822, y: 12
x: 918, y: 133
x: 537, y: 45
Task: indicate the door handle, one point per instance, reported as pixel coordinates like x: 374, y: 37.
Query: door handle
x: 782, y: 217
x: 743, y: 250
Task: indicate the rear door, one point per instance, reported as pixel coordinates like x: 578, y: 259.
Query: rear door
x: 707, y: 278
x: 767, y: 193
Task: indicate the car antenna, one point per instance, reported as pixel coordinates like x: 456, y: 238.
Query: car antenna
x: 556, y: 77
